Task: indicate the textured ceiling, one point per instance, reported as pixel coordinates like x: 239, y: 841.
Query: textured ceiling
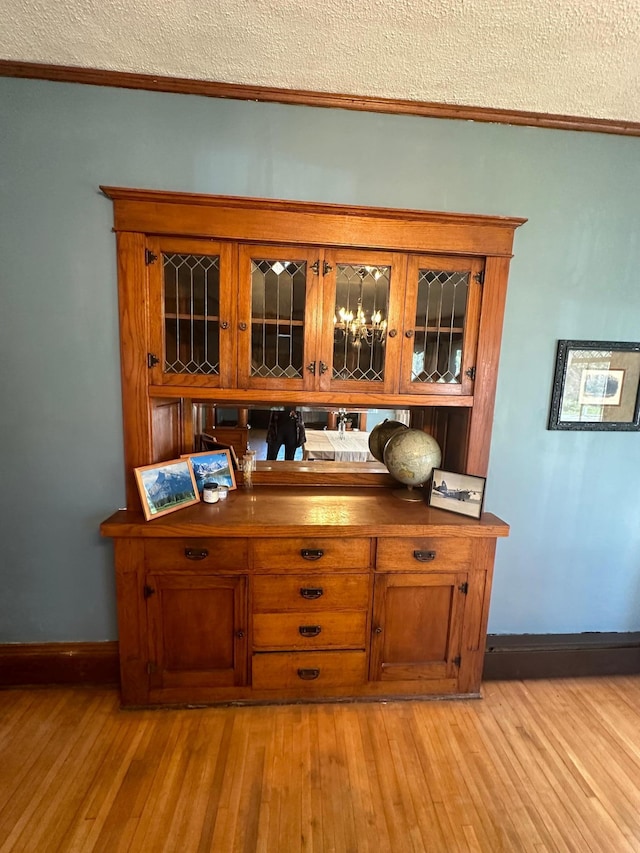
x: 570, y: 57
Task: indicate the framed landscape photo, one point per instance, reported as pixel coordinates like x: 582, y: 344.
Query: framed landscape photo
x: 208, y: 443
x: 461, y: 493
x: 213, y: 466
x: 596, y: 386
x: 165, y: 487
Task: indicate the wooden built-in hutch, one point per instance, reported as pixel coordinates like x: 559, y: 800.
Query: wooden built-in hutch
x: 319, y: 582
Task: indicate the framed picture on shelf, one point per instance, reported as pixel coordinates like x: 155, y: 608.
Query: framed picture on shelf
x: 165, y: 487
x: 596, y: 386
x: 461, y: 493
x: 212, y: 466
x: 208, y: 442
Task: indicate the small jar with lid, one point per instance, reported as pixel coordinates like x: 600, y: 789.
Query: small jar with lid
x: 210, y: 493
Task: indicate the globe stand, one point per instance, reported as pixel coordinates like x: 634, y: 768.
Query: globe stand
x: 409, y: 493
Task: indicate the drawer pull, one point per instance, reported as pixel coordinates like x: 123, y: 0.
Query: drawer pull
x: 311, y: 553
x: 424, y: 556
x: 310, y: 593
x: 309, y: 630
x: 196, y: 553
x: 308, y: 674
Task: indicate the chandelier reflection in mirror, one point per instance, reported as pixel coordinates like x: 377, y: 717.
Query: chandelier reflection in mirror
x: 360, y: 321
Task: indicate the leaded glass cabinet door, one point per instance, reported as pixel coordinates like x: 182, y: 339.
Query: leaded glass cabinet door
x: 440, y: 332
x: 278, y: 317
x: 362, y: 299
x: 190, y: 290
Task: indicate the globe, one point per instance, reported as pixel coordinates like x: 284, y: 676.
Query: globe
x: 380, y: 435
x: 411, y: 455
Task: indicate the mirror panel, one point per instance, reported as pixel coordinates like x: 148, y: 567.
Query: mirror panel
x: 279, y: 433
x: 324, y: 458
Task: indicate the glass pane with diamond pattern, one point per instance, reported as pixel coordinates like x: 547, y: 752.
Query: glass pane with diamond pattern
x: 191, y: 313
x: 439, y: 326
x: 360, y: 322
x: 278, y: 300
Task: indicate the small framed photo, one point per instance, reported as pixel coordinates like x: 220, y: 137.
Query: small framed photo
x: 596, y: 386
x: 208, y: 442
x: 461, y: 493
x: 166, y: 487
x: 213, y: 466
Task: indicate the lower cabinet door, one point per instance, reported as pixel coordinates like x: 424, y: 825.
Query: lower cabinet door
x: 417, y: 625
x: 197, y: 630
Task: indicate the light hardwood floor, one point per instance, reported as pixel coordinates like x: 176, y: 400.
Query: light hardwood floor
x: 536, y: 766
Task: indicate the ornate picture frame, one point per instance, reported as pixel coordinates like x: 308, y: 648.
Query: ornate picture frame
x: 596, y: 386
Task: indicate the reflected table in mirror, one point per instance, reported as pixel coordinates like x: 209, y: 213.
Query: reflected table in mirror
x: 349, y: 446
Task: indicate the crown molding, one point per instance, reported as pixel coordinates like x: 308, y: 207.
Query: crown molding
x: 299, y: 97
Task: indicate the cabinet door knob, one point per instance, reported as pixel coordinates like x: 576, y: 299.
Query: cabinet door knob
x: 323, y: 367
x: 242, y: 327
x: 378, y: 629
x: 308, y: 674
x: 310, y: 593
x: 240, y: 634
x: 311, y: 367
x: 224, y: 325
x: 196, y: 553
x: 309, y: 630
x: 392, y: 333
x: 424, y: 556
x: 311, y: 553
x: 408, y: 333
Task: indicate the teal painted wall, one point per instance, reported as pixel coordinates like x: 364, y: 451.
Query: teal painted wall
x: 572, y: 562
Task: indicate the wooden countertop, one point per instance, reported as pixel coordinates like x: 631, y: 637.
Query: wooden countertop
x: 272, y: 511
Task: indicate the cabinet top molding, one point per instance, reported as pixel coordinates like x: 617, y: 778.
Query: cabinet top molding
x: 266, y: 220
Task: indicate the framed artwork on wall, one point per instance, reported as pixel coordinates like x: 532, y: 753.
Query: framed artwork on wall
x: 596, y: 386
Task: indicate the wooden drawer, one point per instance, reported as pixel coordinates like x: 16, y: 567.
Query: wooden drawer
x: 308, y: 671
x: 423, y: 554
x: 310, y: 593
x: 196, y: 554
x: 298, y: 631
x: 313, y: 554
